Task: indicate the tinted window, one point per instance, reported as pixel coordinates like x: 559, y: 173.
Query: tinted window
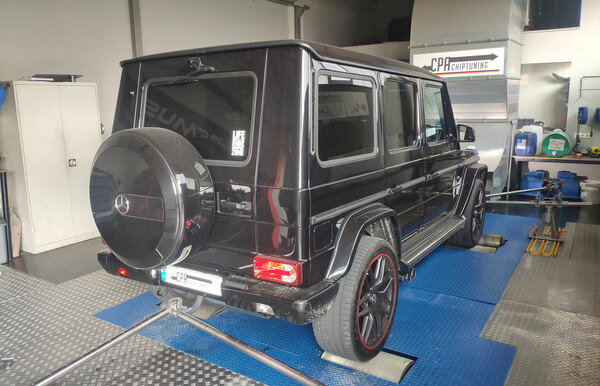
x: 550, y: 14
x: 213, y: 113
x: 435, y: 126
x: 399, y: 114
x: 346, y: 125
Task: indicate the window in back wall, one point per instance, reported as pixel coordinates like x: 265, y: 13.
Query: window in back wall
x: 553, y: 14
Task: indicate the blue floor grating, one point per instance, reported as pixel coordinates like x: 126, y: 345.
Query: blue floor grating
x: 476, y: 275
x: 440, y: 316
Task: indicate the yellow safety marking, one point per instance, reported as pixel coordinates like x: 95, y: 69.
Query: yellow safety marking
x: 556, y: 246
x: 555, y: 249
x: 552, y: 248
x: 531, y: 244
x: 540, y: 248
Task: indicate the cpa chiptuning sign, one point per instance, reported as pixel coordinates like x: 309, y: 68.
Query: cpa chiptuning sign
x: 479, y: 62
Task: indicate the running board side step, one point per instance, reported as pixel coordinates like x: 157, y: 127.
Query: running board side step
x: 426, y: 240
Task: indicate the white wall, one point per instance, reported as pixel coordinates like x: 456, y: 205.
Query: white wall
x: 580, y: 47
x: 85, y: 37
x: 183, y: 24
x: 339, y: 22
x: 541, y: 96
x: 91, y: 37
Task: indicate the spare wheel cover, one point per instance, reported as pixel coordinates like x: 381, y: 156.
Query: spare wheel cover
x: 152, y: 197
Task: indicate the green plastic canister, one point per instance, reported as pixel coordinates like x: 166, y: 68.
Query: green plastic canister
x: 556, y: 144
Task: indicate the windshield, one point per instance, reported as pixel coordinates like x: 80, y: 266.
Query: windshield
x: 213, y: 112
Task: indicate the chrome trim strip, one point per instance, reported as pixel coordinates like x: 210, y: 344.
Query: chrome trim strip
x: 331, y: 213
x: 404, y: 164
x: 344, y: 179
x: 468, y: 162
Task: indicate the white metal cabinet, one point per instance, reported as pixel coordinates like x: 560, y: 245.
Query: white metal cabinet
x: 82, y: 138
x: 43, y: 125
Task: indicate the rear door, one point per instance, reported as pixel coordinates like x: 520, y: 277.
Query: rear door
x: 346, y: 171
x: 218, y: 111
x: 438, y: 150
x: 404, y: 164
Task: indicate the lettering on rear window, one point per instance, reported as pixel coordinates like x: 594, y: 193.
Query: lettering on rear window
x: 213, y: 112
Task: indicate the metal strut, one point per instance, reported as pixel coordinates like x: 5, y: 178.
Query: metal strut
x: 175, y: 307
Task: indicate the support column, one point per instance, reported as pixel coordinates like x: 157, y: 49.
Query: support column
x: 135, y: 24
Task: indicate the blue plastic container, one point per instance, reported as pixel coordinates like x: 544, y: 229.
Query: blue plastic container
x: 572, y: 187
x: 525, y: 144
x: 532, y: 180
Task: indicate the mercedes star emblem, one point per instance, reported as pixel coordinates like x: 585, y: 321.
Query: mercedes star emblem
x: 122, y: 204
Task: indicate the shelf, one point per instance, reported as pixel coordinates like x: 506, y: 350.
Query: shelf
x: 569, y: 158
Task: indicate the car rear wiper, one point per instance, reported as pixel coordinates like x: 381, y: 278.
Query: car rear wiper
x: 198, y: 68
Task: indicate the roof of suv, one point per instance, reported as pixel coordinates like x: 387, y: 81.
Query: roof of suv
x: 319, y: 50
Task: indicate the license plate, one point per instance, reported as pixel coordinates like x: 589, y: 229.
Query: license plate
x: 195, y: 280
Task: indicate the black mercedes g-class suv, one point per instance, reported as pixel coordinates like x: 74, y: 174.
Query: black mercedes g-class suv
x: 290, y: 179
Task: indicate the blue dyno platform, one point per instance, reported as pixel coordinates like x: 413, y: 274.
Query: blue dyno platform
x: 440, y: 316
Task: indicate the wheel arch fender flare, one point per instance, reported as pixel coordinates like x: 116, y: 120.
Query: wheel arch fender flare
x: 351, y: 228
x: 470, y: 175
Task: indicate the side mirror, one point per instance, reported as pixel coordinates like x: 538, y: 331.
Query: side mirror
x: 465, y: 133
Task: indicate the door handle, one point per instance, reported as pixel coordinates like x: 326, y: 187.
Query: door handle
x: 72, y: 162
x: 417, y: 143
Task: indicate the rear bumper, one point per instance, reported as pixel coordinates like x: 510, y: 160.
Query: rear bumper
x: 296, y: 305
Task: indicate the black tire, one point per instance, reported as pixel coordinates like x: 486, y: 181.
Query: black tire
x: 469, y: 236
x: 342, y: 330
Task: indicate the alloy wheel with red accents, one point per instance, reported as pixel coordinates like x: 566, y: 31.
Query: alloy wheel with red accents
x: 376, y: 302
x: 360, y: 318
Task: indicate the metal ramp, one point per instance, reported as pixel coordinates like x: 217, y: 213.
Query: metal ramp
x: 384, y: 365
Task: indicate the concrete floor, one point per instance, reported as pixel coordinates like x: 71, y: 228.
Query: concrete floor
x: 550, y: 310
x: 62, y: 264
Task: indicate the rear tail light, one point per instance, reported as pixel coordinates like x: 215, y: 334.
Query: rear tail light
x: 123, y: 272
x: 277, y: 270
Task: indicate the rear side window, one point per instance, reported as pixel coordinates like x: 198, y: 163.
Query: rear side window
x: 214, y: 113
x: 346, y: 124
x: 399, y: 114
x: 435, y: 125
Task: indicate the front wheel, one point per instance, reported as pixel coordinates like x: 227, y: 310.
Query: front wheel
x: 360, y: 318
x: 469, y: 236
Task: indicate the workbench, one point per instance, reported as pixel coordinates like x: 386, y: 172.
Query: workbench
x: 569, y: 158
